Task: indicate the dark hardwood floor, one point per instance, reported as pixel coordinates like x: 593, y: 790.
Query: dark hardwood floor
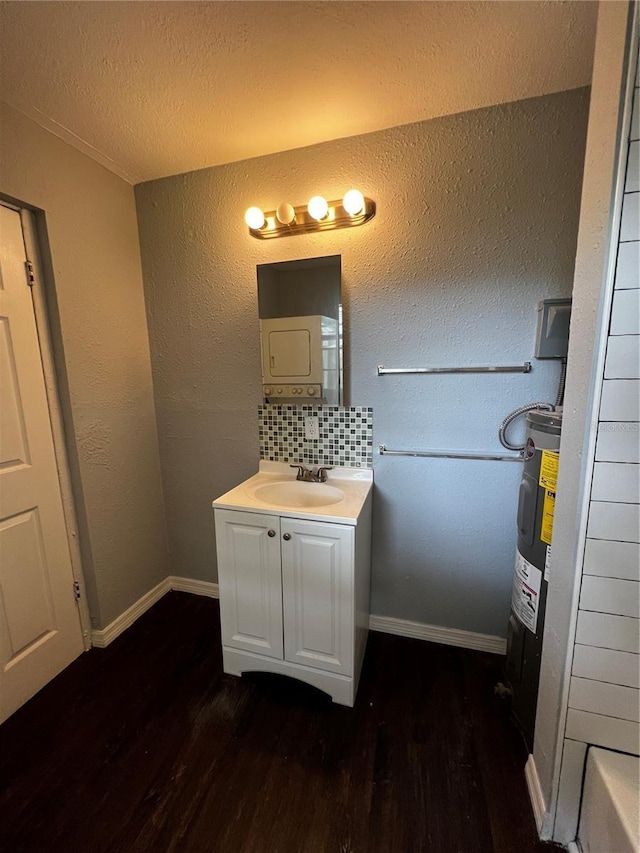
x: 148, y: 746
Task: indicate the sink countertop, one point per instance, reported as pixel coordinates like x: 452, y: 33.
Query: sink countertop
x: 356, y: 483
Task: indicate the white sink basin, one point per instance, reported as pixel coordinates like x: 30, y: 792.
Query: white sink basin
x: 274, y: 489
x: 296, y: 494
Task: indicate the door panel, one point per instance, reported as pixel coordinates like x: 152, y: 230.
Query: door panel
x: 250, y: 581
x: 23, y: 579
x: 317, y: 593
x: 13, y: 440
x: 289, y: 352
x: 40, y: 631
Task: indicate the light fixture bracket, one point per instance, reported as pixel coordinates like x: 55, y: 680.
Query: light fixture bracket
x: 303, y: 223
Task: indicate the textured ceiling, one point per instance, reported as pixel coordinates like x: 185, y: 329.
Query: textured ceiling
x: 158, y: 88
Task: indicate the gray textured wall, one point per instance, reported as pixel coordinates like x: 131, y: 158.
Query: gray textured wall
x: 477, y: 221
x: 99, y: 326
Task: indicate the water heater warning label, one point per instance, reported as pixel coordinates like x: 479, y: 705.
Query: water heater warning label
x: 548, y: 511
x: 525, y: 595
x: 548, y: 480
x: 549, y: 470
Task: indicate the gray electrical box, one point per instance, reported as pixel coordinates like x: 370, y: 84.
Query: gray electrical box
x: 554, y: 316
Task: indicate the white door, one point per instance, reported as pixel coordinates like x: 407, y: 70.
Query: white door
x: 248, y: 547
x: 40, y: 631
x: 317, y: 594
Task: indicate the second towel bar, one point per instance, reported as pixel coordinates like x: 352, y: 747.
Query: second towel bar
x: 508, y: 368
x: 450, y: 454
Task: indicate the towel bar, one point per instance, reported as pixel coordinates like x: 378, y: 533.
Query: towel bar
x: 512, y: 368
x: 450, y: 454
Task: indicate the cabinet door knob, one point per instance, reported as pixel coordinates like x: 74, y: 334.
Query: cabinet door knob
x: 271, y: 533
x: 286, y: 536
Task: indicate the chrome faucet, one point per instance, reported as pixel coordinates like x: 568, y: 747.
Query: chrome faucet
x: 309, y: 475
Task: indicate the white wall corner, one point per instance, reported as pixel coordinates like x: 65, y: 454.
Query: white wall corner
x: 101, y: 638
x: 195, y: 587
x: 592, y: 294
x: 535, y: 794
x: 104, y: 636
x: 567, y: 815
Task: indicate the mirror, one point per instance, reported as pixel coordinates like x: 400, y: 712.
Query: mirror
x: 300, y: 310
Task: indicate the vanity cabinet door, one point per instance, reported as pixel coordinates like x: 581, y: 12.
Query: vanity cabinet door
x: 317, y: 593
x: 250, y: 580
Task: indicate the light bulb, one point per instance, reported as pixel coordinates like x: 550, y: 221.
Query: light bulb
x: 317, y: 207
x: 285, y: 213
x: 254, y: 218
x: 353, y: 202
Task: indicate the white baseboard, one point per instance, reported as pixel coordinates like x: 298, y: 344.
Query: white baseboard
x: 438, y: 634
x: 535, y: 792
x: 104, y: 636
x: 385, y: 624
x: 195, y: 587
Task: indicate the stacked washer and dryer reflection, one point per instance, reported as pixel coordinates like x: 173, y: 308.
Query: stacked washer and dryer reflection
x: 300, y: 360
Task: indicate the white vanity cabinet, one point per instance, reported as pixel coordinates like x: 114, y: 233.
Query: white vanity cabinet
x: 294, y: 596
x: 317, y: 594
x: 250, y: 581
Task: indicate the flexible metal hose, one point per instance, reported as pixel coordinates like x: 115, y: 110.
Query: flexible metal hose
x: 563, y: 378
x: 544, y: 407
x: 502, y: 432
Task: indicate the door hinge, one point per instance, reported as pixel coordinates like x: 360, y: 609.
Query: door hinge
x: 76, y: 590
x: 31, y: 276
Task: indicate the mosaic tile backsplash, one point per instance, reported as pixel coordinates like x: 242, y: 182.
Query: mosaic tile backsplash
x: 345, y: 435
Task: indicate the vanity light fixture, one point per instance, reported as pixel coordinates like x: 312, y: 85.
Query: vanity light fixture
x: 318, y: 215
x: 353, y: 202
x: 254, y: 218
x: 286, y: 214
x: 318, y: 208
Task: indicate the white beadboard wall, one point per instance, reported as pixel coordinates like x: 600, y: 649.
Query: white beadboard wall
x: 604, y: 698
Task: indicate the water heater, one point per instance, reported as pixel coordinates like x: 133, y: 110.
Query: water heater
x: 536, y: 507
x: 300, y: 360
